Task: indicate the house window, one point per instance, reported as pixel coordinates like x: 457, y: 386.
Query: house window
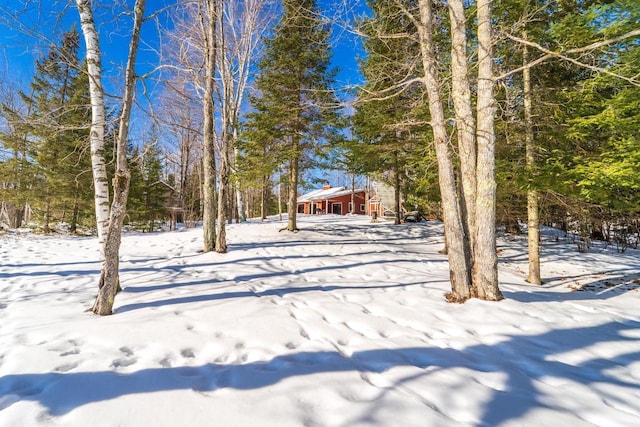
x: 362, y: 207
x: 350, y: 207
x: 336, y: 208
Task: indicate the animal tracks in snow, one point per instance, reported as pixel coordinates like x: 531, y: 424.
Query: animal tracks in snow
x: 345, y: 322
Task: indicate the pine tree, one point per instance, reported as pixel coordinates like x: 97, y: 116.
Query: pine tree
x: 605, y: 110
x: 580, y: 115
x: 391, y: 138
x: 75, y: 166
x: 56, y: 125
x: 155, y: 189
x: 296, y: 107
x: 148, y: 192
x: 18, y: 174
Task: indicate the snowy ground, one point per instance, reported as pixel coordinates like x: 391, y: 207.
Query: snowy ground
x: 341, y: 324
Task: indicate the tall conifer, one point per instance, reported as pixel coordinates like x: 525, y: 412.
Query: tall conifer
x: 296, y: 107
x: 57, y: 124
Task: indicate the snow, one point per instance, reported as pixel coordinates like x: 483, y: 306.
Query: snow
x: 326, y: 193
x: 341, y: 324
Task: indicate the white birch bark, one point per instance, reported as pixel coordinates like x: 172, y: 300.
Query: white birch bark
x: 110, y: 278
x: 94, y: 67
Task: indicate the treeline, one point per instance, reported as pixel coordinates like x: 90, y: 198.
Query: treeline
x: 566, y: 131
x: 45, y: 169
x: 481, y: 112
x: 567, y: 123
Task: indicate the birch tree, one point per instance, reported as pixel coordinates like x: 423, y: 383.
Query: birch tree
x: 96, y: 135
x: 109, y: 276
x: 240, y: 25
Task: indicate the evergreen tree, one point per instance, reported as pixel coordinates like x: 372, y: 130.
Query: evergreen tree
x: 18, y: 175
x: 257, y: 161
x: 155, y: 189
x: 148, y: 192
x: 76, y: 184
x: 296, y: 108
x: 136, y: 200
x: 583, y: 119
x: 391, y: 138
x: 604, y: 114
x: 56, y: 128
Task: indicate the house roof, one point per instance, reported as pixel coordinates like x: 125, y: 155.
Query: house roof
x: 325, y: 194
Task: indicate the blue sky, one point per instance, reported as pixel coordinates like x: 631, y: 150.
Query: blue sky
x: 26, y: 32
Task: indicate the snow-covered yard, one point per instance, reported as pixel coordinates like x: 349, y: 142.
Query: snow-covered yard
x: 342, y: 324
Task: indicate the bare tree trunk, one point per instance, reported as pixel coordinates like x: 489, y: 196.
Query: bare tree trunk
x: 485, y: 267
x: 353, y: 193
x: 465, y: 122
x: 94, y: 67
x: 264, y: 198
x: 223, y: 193
x: 47, y: 212
x: 396, y: 188
x: 459, y: 263
x: 226, y: 141
x: 109, y: 278
x: 240, y: 205
x: 533, y: 218
x: 279, y: 194
x: 209, y: 161
x: 292, y: 204
x: 240, y: 24
x: 75, y: 215
x: 367, y: 197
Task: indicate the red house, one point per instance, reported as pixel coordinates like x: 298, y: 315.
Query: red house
x: 332, y: 200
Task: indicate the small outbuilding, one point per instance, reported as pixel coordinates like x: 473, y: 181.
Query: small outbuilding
x: 333, y: 200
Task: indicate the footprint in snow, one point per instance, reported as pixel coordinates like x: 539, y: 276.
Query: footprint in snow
x: 122, y: 363
x: 188, y: 353
x: 66, y: 367
x: 70, y: 352
x: 127, y: 351
x: 304, y: 334
x: 165, y: 362
x: 292, y: 345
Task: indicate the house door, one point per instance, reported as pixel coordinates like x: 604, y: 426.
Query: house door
x: 336, y: 208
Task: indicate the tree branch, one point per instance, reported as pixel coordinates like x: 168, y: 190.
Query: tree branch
x: 563, y: 55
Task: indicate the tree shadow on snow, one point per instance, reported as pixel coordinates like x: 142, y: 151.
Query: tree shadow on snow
x: 526, y: 360
x: 584, y: 287
x: 279, y: 292
x: 258, y: 276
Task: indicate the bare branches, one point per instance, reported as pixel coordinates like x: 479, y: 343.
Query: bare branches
x: 388, y: 92
x: 564, y: 55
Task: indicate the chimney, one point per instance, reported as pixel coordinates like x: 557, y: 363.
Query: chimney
x: 326, y: 187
